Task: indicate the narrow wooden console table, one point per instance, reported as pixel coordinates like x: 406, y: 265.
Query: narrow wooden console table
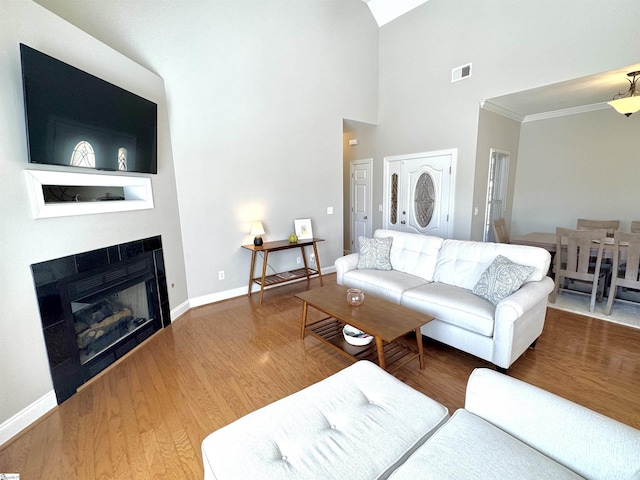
x: 268, y: 280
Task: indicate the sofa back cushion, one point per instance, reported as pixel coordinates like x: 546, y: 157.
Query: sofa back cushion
x: 581, y: 439
x: 461, y: 263
x: 412, y: 253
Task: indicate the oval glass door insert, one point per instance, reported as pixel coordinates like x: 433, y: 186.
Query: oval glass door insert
x: 424, y: 200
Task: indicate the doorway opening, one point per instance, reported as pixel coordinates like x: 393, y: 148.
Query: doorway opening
x: 497, y: 189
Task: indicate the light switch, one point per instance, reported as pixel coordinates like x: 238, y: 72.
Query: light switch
x: 329, y: 210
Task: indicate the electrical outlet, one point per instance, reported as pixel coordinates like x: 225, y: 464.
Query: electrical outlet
x: 313, y: 258
x: 221, y: 275
x: 298, y: 260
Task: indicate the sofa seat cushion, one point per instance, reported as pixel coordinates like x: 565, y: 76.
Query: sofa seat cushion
x: 359, y: 423
x: 469, y: 447
x: 386, y: 284
x: 453, y: 305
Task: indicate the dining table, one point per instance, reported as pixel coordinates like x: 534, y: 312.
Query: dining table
x: 548, y: 241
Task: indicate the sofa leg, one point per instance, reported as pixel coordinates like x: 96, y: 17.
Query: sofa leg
x: 501, y: 369
x: 533, y: 345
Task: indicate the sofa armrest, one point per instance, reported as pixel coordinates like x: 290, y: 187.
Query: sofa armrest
x: 519, y: 320
x: 590, y: 444
x: 345, y: 264
x: 530, y: 294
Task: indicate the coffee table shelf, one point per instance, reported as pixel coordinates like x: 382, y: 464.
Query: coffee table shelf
x: 397, y: 353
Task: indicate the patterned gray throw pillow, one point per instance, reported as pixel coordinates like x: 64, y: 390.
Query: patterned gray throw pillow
x: 374, y: 253
x: 501, y: 279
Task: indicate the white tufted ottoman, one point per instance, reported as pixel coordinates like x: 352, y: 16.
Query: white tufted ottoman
x: 360, y: 423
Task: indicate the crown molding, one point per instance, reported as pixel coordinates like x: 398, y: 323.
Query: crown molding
x: 492, y: 107
x: 487, y: 105
x: 566, y: 112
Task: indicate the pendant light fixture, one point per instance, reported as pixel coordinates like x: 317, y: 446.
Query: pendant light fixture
x: 628, y: 102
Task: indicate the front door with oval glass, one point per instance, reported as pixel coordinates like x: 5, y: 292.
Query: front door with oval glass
x: 418, y: 192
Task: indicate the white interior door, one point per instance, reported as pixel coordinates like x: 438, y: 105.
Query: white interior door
x: 361, y: 199
x: 419, y: 192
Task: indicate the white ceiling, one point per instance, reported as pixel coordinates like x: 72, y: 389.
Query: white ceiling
x: 580, y: 94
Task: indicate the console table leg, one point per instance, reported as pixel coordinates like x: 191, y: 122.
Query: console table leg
x: 304, y: 260
x: 253, y: 264
x: 315, y: 252
x: 264, y: 273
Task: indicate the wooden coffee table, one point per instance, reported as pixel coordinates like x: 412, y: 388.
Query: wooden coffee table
x: 388, y: 323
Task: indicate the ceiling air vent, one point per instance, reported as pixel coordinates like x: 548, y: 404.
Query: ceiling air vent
x: 461, y: 72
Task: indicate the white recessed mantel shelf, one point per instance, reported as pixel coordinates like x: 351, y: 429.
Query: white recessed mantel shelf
x: 138, y: 194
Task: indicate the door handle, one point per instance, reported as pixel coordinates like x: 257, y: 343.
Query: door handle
x: 365, y: 217
x: 403, y: 222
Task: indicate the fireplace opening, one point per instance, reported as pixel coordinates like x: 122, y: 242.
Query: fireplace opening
x: 109, y: 311
x: 97, y: 306
x: 102, y: 320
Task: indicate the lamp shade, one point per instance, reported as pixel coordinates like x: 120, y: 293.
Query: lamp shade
x: 257, y: 228
x: 626, y: 106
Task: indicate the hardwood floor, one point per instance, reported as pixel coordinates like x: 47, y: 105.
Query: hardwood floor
x: 146, y: 416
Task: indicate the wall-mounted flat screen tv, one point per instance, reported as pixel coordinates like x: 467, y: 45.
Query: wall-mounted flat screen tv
x: 79, y: 120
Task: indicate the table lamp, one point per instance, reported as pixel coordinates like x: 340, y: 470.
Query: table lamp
x: 257, y: 229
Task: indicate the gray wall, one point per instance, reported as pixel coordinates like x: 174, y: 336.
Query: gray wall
x: 579, y: 166
x: 498, y: 133
x: 257, y: 92
x: 513, y: 45
x: 24, y: 370
x: 255, y: 96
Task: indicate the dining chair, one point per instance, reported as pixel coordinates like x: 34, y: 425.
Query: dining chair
x: 572, y: 262
x: 610, y: 225
x: 635, y: 226
x: 500, y: 231
x: 626, y: 272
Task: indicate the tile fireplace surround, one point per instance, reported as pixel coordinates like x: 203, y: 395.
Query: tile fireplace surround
x: 96, y: 306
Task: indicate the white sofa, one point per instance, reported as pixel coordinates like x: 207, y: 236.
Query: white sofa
x: 436, y: 276
x: 362, y: 424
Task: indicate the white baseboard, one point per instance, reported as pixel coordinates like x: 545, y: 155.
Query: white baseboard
x: 24, y: 418
x: 238, y: 292
x: 217, y: 297
x: 21, y: 420
x: 180, y: 310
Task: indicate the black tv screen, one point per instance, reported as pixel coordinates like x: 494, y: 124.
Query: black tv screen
x: 79, y: 120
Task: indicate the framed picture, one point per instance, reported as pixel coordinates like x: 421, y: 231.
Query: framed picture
x: 303, y: 228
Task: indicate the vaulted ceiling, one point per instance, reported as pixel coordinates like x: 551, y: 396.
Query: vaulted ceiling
x: 574, y: 96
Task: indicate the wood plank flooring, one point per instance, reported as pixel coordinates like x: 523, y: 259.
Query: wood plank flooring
x: 146, y: 416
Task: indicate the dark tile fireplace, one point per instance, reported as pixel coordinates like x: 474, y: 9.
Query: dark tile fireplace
x: 96, y: 306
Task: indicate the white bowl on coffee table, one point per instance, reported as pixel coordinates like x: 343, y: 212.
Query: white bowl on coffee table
x: 356, y: 337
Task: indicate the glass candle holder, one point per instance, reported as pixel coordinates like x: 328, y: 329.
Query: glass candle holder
x: 355, y: 297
